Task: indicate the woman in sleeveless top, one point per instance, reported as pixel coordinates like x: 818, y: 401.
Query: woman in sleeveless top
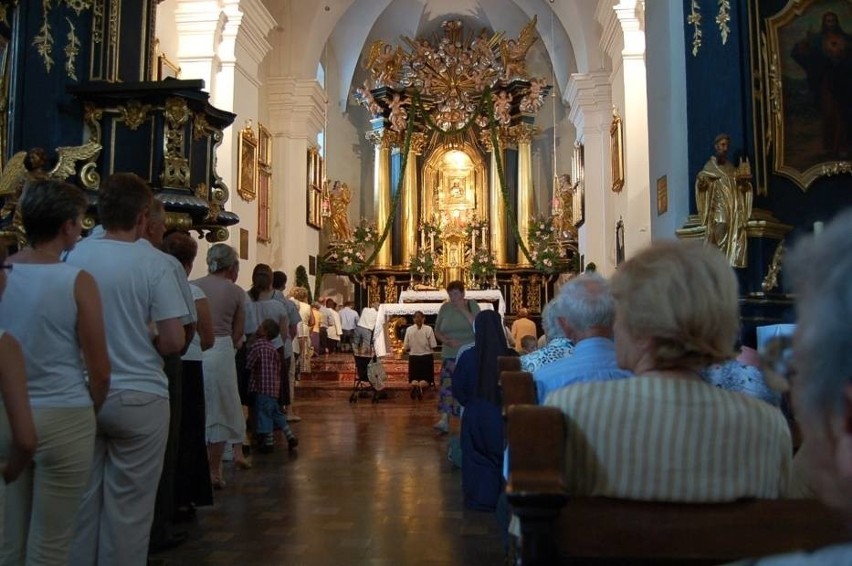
x: 225, y: 420
x: 17, y: 431
x: 54, y: 310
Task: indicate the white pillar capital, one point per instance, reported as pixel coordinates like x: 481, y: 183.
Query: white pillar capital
x: 244, y: 44
x: 296, y: 107
x: 589, y: 97
x: 631, y: 16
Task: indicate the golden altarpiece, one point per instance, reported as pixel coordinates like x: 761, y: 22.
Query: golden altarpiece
x: 452, y: 120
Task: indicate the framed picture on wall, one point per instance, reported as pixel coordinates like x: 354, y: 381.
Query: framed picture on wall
x: 807, y: 60
x: 578, y: 173
x: 314, y: 188
x: 247, y: 177
x: 264, y: 184
x: 616, y: 142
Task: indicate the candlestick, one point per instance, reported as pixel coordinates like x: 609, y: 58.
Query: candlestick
x: 422, y: 238
x: 432, y: 242
x: 473, y: 240
x: 484, y: 230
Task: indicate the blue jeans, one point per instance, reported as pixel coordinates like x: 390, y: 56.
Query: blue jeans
x: 268, y: 414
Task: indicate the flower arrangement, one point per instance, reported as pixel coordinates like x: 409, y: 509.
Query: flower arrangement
x: 544, y: 249
x: 482, y: 264
x: 422, y: 265
x: 349, y: 256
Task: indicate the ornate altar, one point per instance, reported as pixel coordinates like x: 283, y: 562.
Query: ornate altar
x: 448, y: 108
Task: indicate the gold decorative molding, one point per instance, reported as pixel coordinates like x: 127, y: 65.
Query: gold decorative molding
x: 723, y: 18
x: 534, y: 293
x: 92, y: 116
x: 217, y: 235
x: 134, y: 114
x: 97, y: 21
x: 762, y: 224
x: 616, y: 140
x: 770, y: 282
x: 43, y: 40
x: 694, y: 19
x: 202, y: 191
x: 247, y: 171
x: 418, y: 143
x: 523, y: 133
x: 176, y: 165
x: 178, y: 221
x: 200, y: 126
x: 72, y: 48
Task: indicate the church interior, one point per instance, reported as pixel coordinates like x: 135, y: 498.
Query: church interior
x: 377, y: 150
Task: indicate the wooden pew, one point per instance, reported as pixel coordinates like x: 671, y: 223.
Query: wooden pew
x: 593, y: 530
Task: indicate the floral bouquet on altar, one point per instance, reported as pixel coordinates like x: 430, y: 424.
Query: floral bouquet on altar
x: 422, y: 266
x: 482, y: 265
x: 543, y: 246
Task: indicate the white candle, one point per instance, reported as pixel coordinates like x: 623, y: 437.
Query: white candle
x: 432, y: 241
x: 473, y: 240
x: 484, y: 229
x: 818, y: 226
x: 422, y: 238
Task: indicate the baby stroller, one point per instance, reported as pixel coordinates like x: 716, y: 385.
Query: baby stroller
x: 369, y: 377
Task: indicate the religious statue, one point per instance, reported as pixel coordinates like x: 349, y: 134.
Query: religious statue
x: 384, y: 62
x: 398, y: 115
x: 514, y: 52
x: 391, y: 290
x: 503, y: 108
x: 563, y: 216
x: 365, y: 98
x: 374, y: 294
x: 723, y: 195
x: 340, y: 197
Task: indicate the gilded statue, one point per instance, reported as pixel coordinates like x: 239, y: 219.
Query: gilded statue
x: 340, y: 196
x: 514, y: 53
x: 563, y: 221
x: 384, y: 62
x: 723, y: 195
x: 374, y: 293
x: 398, y: 115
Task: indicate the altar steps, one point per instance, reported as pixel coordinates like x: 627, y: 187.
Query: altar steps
x: 333, y: 373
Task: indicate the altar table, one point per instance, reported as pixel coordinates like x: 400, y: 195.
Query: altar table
x: 388, y: 310
x: 440, y: 296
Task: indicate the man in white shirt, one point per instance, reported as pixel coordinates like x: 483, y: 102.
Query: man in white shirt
x: 420, y: 341
x: 136, y: 288
x: 348, y: 322
x: 362, y: 345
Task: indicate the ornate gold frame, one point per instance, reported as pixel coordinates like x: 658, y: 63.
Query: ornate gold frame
x: 616, y: 144
x: 314, y: 188
x: 773, y: 99
x: 264, y: 184
x: 578, y: 173
x: 247, y: 173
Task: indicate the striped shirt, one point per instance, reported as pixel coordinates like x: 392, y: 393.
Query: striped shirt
x: 265, y: 367
x: 658, y: 438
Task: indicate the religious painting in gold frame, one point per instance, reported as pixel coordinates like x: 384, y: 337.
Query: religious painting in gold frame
x: 264, y: 184
x: 662, y: 195
x: 808, y: 108
x: 314, y: 188
x: 616, y: 143
x: 247, y: 176
x: 578, y: 173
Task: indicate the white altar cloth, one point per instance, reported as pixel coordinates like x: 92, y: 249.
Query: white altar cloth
x: 441, y: 296
x: 388, y: 310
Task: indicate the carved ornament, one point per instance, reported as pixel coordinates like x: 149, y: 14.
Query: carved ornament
x: 134, y: 114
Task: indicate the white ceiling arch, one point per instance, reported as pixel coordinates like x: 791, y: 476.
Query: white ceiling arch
x: 349, y: 26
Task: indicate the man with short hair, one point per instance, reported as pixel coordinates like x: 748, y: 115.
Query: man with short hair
x: 137, y: 288
x: 585, y: 311
x: 279, y: 283
x: 348, y: 322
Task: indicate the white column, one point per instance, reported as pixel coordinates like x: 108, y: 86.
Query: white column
x: 637, y: 213
x: 199, y: 27
x: 295, y: 118
x: 589, y: 97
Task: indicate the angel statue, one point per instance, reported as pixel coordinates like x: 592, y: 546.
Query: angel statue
x: 398, y: 115
x: 503, y: 108
x: 364, y: 97
x: 514, y: 53
x: 383, y: 62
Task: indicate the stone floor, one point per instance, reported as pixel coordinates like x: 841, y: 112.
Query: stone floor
x: 371, y: 484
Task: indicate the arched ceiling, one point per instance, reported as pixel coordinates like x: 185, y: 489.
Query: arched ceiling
x: 568, y: 30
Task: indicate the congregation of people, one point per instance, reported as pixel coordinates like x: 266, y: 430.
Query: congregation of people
x: 661, y: 400
x: 125, y: 386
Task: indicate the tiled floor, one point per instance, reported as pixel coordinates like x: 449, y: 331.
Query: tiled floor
x: 371, y: 485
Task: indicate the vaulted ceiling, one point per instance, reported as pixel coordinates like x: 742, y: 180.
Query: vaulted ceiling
x: 569, y: 34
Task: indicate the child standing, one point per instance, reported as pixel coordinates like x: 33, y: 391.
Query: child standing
x: 265, y: 366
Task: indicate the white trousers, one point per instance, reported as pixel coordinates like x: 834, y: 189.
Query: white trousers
x: 42, y: 504
x: 118, y: 505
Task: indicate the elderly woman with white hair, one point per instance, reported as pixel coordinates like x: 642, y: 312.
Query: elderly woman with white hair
x: 558, y: 345
x: 666, y: 434
x: 225, y: 420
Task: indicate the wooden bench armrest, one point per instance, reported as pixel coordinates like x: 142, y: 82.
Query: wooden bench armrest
x: 508, y: 363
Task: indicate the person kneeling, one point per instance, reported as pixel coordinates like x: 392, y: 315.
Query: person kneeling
x: 265, y: 366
